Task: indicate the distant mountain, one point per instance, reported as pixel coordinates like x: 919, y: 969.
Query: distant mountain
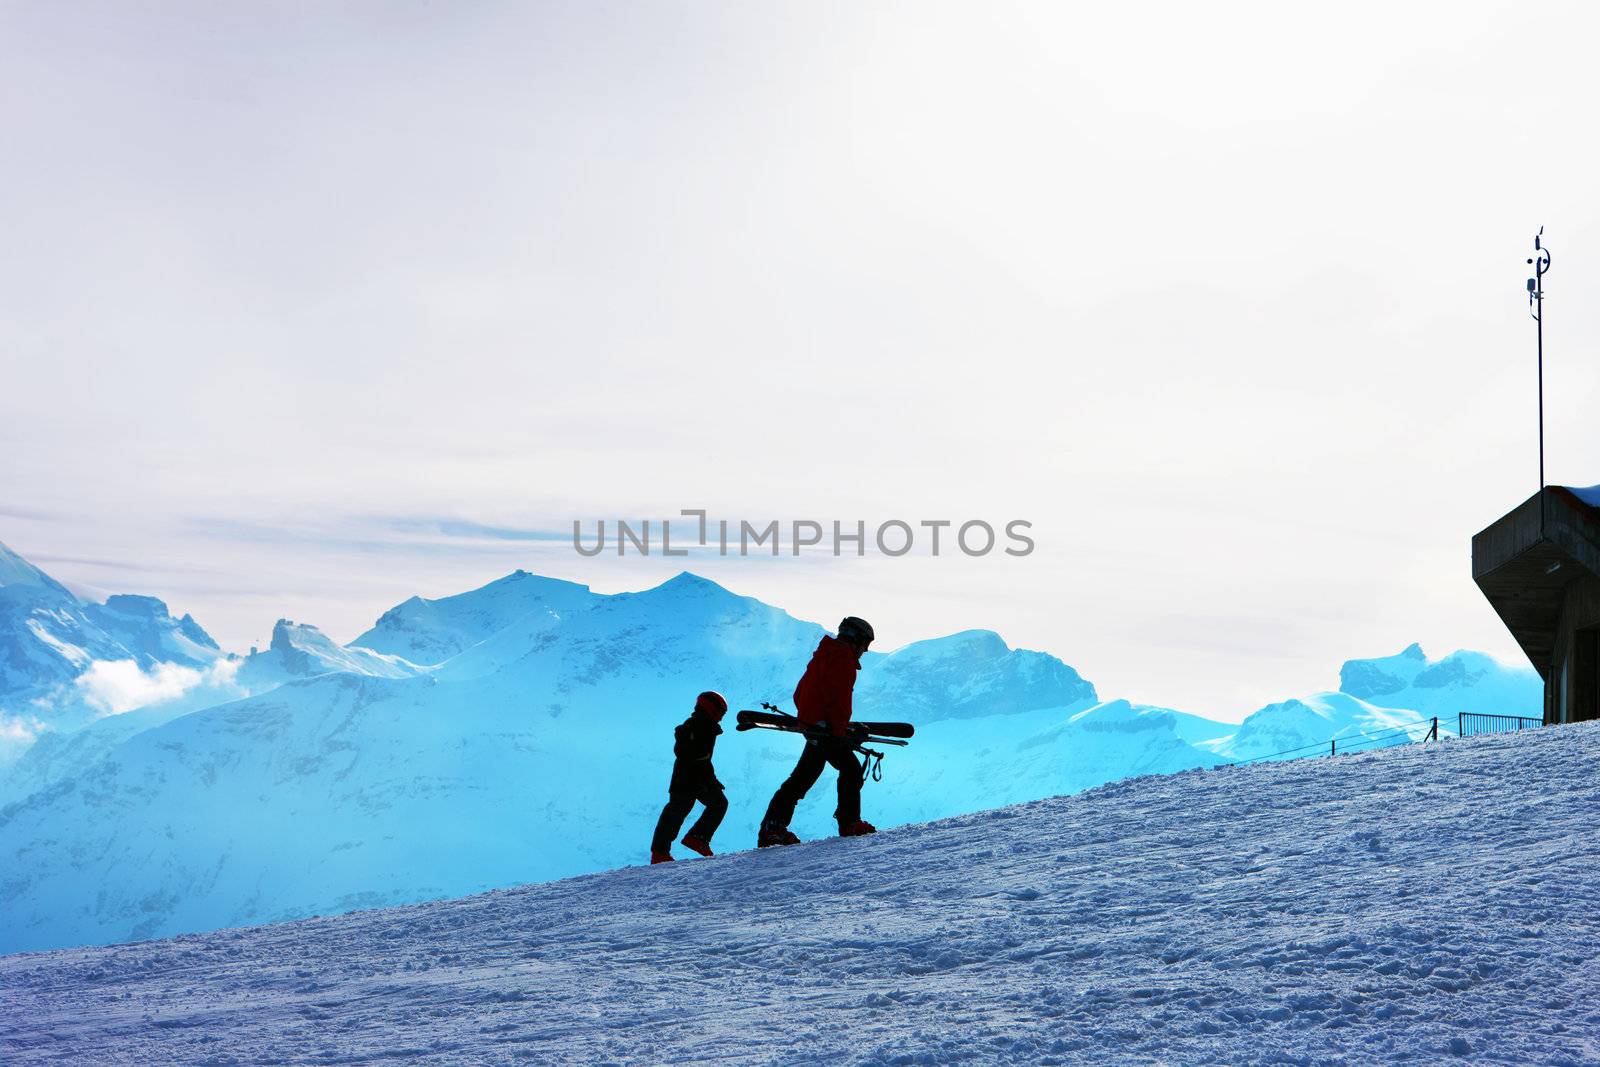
x: 1386, y: 700
x: 49, y: 637
x: 143, y: 626
x: 968, y: 675
x: 64, y: 661
x: 1196, y: 728
x: 429, y: 632
x: 67, y: 666
x: 1291, y: 727
x: 1460, y: 682
x: 299, y: 650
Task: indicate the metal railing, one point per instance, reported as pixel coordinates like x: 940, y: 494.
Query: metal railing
x: 1388, y: 734
x: 1469, y: 723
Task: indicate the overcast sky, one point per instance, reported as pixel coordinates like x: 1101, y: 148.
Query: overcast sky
x: 310, y: 309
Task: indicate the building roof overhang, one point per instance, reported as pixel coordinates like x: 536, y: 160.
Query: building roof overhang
x: 1524, y: 561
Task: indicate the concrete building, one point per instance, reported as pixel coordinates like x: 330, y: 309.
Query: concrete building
x: 1539, y: 565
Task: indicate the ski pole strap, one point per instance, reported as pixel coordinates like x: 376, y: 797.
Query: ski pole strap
x: 872, y: 765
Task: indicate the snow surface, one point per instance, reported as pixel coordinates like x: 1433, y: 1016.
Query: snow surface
x: 1412, y: 905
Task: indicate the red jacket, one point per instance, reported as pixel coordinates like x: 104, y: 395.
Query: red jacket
x: 824, y: 692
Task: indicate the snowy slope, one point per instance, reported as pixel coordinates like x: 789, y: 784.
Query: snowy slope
x: 1416, y: 905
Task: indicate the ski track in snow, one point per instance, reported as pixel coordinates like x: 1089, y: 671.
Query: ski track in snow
x: 1417, y: 904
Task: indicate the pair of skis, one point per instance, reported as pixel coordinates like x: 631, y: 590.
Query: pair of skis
x: 886, y: 733
x: 857, y: 734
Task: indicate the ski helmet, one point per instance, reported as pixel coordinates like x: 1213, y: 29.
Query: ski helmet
x: 711, y: 701
x: 856, y: 631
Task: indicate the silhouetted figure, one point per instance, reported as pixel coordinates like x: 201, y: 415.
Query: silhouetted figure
x: 822, y: 700
x: 693, y: 778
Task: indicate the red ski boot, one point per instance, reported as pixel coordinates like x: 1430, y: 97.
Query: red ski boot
x: 776, y: 835
x: 859, y: 828
x: 698, y: 844
x: 660, y: 857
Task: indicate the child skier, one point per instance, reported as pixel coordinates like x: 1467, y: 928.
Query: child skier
x: 693, y: 779
x: 822, y: 701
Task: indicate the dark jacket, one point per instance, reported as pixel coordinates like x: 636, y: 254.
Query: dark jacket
x: 828, y: 685
x: 695, y: 740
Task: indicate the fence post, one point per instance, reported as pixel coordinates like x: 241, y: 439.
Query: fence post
x: 1461, y: 724
x: 1333, y: 747
x: 1433, y: 734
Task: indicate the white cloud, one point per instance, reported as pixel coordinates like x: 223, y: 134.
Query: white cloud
x: 116, y: 686
x: 15, y: 729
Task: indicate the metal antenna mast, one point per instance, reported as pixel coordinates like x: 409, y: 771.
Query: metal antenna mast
x: 1541, y: 264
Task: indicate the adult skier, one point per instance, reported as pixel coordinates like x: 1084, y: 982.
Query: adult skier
x: 693, y: 778
x: 822, y: 700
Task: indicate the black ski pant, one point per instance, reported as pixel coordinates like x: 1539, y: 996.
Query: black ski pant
x: 680, y: 803
x: 817, y: 754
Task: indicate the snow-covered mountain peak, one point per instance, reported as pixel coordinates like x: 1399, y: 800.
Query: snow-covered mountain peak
x: 687, y: 602
x: 971, y: 674
x: 149, y: 611
x: 1369, y: 679
x: 430, y: 632
x: 18, y: 574
x: 687, y: 586
x: 300, y: 650
x: 1123, y: 716
x: 966, y: 644
x: 133, y: 606
x: 522, y: 583
x: 69, y: 661
x: 1462, y: 681
x: 289, y: 636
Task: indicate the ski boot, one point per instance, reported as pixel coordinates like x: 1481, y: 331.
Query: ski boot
x: 698, y: 844
x: 775, y: 835
x: 859, y: 828
x: 660, y: 857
